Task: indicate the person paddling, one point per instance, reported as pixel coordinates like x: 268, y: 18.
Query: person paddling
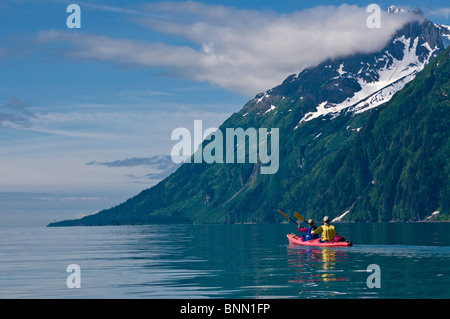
x: 328, y: 231
x: 308, y: 230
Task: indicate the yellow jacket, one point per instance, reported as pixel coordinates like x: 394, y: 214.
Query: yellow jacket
x: 328, y: 232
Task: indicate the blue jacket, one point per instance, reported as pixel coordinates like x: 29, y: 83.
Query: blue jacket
x: 308, y: 235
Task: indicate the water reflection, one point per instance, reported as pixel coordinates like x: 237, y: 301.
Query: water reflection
x: 317, y: 264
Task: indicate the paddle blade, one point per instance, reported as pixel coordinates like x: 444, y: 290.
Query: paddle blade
x: 283, y: 214
x: 298, y: 216
x: 288, y: 217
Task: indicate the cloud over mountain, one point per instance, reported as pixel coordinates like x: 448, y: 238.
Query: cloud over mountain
x: 246, y: 51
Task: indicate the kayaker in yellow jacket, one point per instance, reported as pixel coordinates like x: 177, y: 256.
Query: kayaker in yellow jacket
x: 328, y: 231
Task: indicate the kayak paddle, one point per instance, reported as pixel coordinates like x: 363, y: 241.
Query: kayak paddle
x: 288, y: 217
x: 300, y: 217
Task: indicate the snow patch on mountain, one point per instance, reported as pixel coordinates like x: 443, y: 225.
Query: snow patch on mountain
x: 395, y: 9
x: 263, y: 96
x: 381, y: 96
x: 444, y: 31
x: 272, y: 107
x: 339, y: 218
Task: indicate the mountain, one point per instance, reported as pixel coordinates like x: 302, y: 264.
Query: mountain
x: 359, y: 82
x: 362, y: 138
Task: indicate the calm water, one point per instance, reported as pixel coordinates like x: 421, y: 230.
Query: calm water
x: 224, y: 261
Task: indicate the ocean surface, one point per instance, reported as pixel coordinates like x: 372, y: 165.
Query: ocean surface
x: 224, y: 261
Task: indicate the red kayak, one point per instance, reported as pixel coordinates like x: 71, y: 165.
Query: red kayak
x: 297, y: 240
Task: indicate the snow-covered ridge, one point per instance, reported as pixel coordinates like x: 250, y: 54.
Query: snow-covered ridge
x: 391, y: 78
x: 395, y: 9
x: 444, y: 30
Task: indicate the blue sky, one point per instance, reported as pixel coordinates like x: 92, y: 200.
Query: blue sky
x: 86, y: 114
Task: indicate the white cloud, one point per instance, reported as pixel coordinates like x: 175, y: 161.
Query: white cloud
x: 246, y: 51
x: 441, y: 12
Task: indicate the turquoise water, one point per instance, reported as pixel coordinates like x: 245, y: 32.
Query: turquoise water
x: 224, y: 261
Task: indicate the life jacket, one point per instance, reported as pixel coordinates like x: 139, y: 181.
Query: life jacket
x: 328, y: 232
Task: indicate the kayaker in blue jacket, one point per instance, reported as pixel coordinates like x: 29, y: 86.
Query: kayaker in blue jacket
x: 307, y: 230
